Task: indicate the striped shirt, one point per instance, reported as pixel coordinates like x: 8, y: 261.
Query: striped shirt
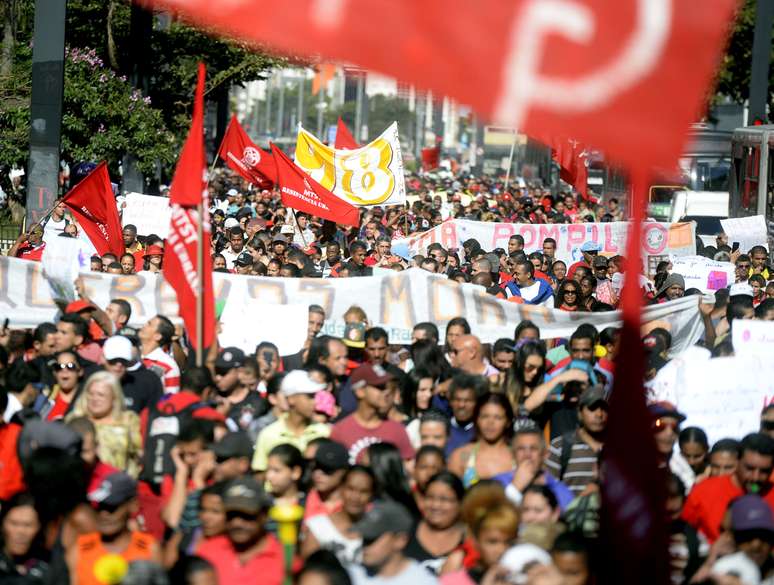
x: 162, y: 364
x: 581, y: 468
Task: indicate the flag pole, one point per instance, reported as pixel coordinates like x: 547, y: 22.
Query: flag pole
x: 200, y: 285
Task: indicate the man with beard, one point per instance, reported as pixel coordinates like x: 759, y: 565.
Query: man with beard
x: 116, y: 502
x: 246, y: 554
x: 386, y: 530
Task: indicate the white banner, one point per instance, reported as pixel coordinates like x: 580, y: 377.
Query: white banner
x: 150, y: 214
x: 370, y: 175
x: 245, y: 324
x: 748, y: 231
x: 659, y: 240
x: 723, y: 396
x: 753, y: 338
x: 396, y: 301
x: 702, y: 273
x: 63, y: 259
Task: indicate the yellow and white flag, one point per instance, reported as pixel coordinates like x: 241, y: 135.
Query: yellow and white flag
x: 370, y: 175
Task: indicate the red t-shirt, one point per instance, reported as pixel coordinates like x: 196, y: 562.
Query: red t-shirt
x: 11, y: 475
x: 59, y: 409
x: 266, y: 567
x: 356, y: 438
x: 28, y: 252
x: 707, y: 503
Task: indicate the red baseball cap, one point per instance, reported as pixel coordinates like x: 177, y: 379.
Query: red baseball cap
x: 78, y: 306
x: 154, y: 251
x: 369, y: 375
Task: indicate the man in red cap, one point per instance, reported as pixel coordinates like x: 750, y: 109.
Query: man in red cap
x: 369, y: 423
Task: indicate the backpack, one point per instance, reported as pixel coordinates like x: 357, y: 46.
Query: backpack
x: 162, y: 432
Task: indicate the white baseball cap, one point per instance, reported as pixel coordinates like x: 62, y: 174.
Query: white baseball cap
x: 118, y: 347
x: 522, y: 557
x: 230, y: 222
x: 740, y: 288
x: 299, y: 382
x: 232, y: 193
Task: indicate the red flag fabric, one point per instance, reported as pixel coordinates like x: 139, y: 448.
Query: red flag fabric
x: 92, y: 203
x: 571, y: 157
x: 187, y: 191
x: 431, y: 157
x: 344, y: 138
x: 546, y: 65
x: 634, y: 517
x: 300, y: 191
x: 242, y: 156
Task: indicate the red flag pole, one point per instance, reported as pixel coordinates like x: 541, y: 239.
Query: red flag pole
x: 200, y: 286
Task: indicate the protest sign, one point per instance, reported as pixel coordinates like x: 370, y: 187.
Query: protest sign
x: 659, y: 240
x: 395, y: 301
x: 150, y: 214
x: 370, y: 175
x: 748, y: 231
x: 753, y: 338
x: 246, y: 324
x: 703, y: 273
x: 63, y: 259
x: 723, y: 396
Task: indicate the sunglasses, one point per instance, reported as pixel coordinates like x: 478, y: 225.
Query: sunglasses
x: 767, y: 425
x: 68, y: 366
x: 592, y: 252
x: 118, y: 361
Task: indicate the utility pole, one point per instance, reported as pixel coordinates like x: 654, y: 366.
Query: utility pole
x: 359, y: 106
x: 761, y: 59
x: 279, y: 130
x: 269, y: 83
x: 46, y: 107
x: 301, y: 87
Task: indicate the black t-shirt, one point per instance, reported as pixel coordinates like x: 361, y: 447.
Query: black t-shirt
x: 141, y: 389
x: 242, y: 413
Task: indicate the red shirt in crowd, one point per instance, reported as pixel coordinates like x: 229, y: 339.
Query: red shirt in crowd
x: 707, y: 503
x: 357, y: 438
x: 267, y: 566
x: 11, y: 476
x: 29, y: 252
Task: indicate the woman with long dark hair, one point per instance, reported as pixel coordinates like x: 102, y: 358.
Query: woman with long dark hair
x: 457, y: 327
x: 392, y: 483
x: 568, y: 296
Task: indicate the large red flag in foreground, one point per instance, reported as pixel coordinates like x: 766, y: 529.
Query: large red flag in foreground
x: 571, y: 156
x: 300, y: 191
x: 344, y: 138
x: 592, y: 69
x: 189, y: 190
x: 243, y: 156
x: 92, y: 203
x: 431, y: 157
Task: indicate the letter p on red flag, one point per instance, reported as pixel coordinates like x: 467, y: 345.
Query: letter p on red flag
x: 187, y: 192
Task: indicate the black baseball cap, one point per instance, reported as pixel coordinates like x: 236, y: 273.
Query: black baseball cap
x: 245, y: 495
x: 244, y: 259
x: 116, y: 489
x: 382, y: 518
x: 230, y: 358
x: 331, y: 456
x: 236, y: 444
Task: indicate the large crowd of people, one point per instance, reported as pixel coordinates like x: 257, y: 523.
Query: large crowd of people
x: 448, y: 460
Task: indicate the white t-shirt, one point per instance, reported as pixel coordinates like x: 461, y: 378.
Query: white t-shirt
x: 53, y: 228
x: 230, y: 257
x: 414, y: 574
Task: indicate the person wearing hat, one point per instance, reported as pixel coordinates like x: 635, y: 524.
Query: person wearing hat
x: 246, y: 554
x: 233, y: 453
x: 386, y: 530
x: 709, y: 499
x: 295, y: 427
x: 369, y: 423
x: 604, y: 291
x: 236, y: 244
x: 153, y: 258
x: 589, y: 250
x: 115, y: 502
x: 279, y: 246
x: 29, y: 246
x: 573, y: 456
x: 666, y: 428
x: 672, y: 288
x: 243, y: 264
x: 329, y: 468
x: 241, y: 403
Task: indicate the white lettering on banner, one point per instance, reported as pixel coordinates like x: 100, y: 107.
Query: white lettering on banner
x: 185, y: 229
x: 658, y: 239
x: 753, y: 338
x: 395, y: 302
x: 541, y: 19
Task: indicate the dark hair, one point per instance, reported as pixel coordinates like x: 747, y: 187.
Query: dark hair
x: 502, y: 344
x: 517, y: 238
x: 693, y: 435
x: 319, y: 349
x: 361, y: 469
x: 585, y: 331
x: 457, y: 322
x: 186, y: 566
x: 563, y: 290
x: 572, y: 542
x: 515, y: 382
x: 435, y: 415
x: 165, y: 329
x: 426, y: 450
x: 214, y: 489
x: 327, y: 564
x: 19, y: 375
x: 463, y: 381
x: 664, y: 336
x: 759, y: 443
x: 451, y: 480
x: 409, y: 390
x: 273, y: 384
x: 609, y: 335
x: 196, y: 430
x: 431, y: 329
x: 22, y: 500
x: 289, y: 455
x: 375, y: 334
x: 391, y: 481
x: 430, y: 355
x: 545, y: 492
x: 500, y: 400
x: 80, y: 326
x: 42, y: 331
x: 738, y: 305
x: 726, y: 445
x: 675, y: 485
x: 523, y: 326
x: 357, y: 245
x: 57, y: 481
x: 123, y: 307
x: 196, y: 380
x: 317, y: 309
x: 765, y: 306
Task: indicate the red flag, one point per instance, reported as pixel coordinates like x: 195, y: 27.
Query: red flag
x: 244, y: 157
x: 571, y: 157
x: 431, y: 157
x: 302, y: 192
x: 633, y: 513
x: 92, y: 203
x: 546, y: 65
x: 344, y: 138
x: 189, y: 190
